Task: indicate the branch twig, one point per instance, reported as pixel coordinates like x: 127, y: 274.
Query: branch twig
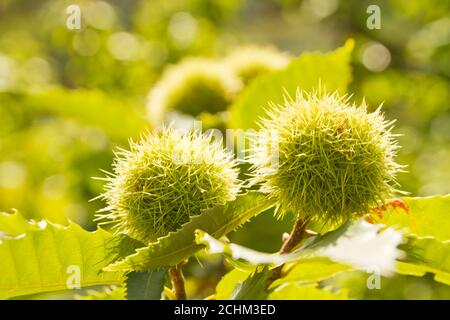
x: 296, y: 236
x: 176, y: 275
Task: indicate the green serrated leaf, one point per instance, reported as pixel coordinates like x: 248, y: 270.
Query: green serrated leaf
x: 228, y: 283
x: 108, y: 293
x: 145, y: 285
x: 15, y: 224
x: 311, y: 270
x: 425, y: 218
x: 240, y: 264
x: 426, y: 255
x: 331, y: 70
x: 121, y: 246
x: 180, y: 245
x: 356, y: 243
x: 359, y: 285
x: 237, y: 252
x: 360, y: 244
x: 297, y: 291
x: 253, y: 287
x: 48, y: 259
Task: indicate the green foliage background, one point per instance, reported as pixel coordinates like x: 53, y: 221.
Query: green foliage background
x: 68, y: 98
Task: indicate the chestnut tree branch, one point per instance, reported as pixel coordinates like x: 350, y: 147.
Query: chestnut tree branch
x: 177, y: 278
x: 297, y: 235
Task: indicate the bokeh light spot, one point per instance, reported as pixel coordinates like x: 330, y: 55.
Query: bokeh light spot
x: 12, y: 174
x: 182, y: 29
x: 376, y: 57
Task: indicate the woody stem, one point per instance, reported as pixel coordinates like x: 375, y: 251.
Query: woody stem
x: 296, y: 236
x: 176, y: 275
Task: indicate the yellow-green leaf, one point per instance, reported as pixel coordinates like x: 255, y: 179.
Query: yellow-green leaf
x: 331, y: 70
x: 297, y: 291
x: 311, y: 270
x: 180, y: 245
x: 52, y: 258
x: 426, y: 255
x: 15, y: 224
x: 355, y: 243
x: 427, y: 216
x: 228, y: 283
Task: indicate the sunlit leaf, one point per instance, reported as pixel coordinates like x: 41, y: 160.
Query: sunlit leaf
x: 179, y: 245
x: 426, y: 254
x: 15, y: 224
x: 121, y: 246
x: 108, y: 293
x: 228, y: 283
x: 427, y: 216
x: 49, y: 259
x: 253, y: 287
x: 361, y: 285
x: 360, y: 244
x: 311, y: 270
x: 297, y: 291
x: 331, y: 70
x: 239, y: 252
x: 145, y: 285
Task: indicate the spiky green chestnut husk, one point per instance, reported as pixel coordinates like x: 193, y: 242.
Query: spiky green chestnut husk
x: 164, y: 180
x: 252, y: 61
x: 193, y: 86
x: 335, y: 159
